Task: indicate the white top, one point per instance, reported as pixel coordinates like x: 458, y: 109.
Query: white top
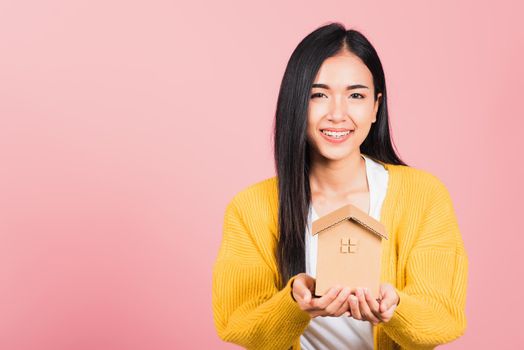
x: 343, y: 332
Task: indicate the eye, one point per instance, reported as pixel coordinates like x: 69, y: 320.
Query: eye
x: 356, y: 93
x: 318, y: 94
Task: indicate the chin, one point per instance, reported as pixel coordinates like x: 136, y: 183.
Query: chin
x: 335, y: 156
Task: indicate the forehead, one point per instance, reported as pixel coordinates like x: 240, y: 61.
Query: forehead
x: 345, y: 69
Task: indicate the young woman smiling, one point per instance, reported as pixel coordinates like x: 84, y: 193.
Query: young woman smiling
x: 332, y: 148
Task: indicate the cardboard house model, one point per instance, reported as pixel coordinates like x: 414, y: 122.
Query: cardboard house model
x: 349, y: 250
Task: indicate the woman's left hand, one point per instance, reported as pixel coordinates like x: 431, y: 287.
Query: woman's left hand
x: 366, y: 308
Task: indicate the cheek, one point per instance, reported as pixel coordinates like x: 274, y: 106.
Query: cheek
x: 362, y: 113
x: 310, y: 128
x: 313, y: 118
x: 318, y: 108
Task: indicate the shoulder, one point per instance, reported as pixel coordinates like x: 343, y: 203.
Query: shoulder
x: 256, y: 191
x: 254, y: 210
x: 257, y: 199
x: 417, y: 181
x: 426, y: 210
x: 423, y: 194
x: 418, y: 190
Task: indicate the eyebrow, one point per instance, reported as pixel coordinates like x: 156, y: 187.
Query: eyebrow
x: 349, y: 87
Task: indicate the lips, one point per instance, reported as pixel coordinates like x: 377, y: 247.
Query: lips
x: 336, y: 140
x: 336, y: 130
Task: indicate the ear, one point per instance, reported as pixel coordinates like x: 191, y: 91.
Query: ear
x: 377, y: 103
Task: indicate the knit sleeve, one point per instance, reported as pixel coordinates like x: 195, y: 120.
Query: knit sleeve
x: 248, y: 308
x: 432, y: 303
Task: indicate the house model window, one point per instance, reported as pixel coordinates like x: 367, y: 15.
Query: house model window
x: 349, y: 250
x: 348, y: 245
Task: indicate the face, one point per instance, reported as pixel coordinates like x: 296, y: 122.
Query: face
x: 341, y: 101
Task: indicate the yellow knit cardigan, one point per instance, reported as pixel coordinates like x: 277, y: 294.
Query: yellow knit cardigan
x: 424, y: 259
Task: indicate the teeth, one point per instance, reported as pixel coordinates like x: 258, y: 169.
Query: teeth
x: 335, y: 133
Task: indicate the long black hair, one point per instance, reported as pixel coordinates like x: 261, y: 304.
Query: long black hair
x: 291, y: 148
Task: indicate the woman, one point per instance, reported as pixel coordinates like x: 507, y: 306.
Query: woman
x: 332, y: 148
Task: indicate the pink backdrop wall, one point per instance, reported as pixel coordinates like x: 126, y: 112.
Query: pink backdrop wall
x: 126, y: 127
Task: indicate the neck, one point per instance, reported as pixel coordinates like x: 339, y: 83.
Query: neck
x: 335, y: 178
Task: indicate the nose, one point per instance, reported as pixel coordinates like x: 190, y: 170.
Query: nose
x: 338, y: 109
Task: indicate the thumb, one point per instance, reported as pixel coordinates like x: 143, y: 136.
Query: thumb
x: 306, y: 296
x: 390, y: 299
x: 384, y: 295
x: 383, y: 306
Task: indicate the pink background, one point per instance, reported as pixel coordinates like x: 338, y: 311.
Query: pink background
x: 126, y: 127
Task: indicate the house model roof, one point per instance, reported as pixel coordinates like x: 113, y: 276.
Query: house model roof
x: 349, y: 212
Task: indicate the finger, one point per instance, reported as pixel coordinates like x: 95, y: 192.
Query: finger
x: 316, y: 313
x: 374, y: 305
x: 326, y: 299
x: 388, y: 314
x: 388, y: 299
x: 298, y: 288
x: 384, y: 306
x: 353, y: 305
x: 310, y: 282
x: 306, y: 296
x: 335, y: 307
x: 364, y: 308
x: 300, y: 291
x: 344, y: 309
x: 322, y: 302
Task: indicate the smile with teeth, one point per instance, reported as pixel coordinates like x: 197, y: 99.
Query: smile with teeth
x: 336, y: 134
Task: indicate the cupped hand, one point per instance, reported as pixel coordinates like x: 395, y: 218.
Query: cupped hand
x: 333, y: 303
x: 365, y: 307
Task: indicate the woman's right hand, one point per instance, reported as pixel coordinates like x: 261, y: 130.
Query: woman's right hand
x: 333, y: 303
